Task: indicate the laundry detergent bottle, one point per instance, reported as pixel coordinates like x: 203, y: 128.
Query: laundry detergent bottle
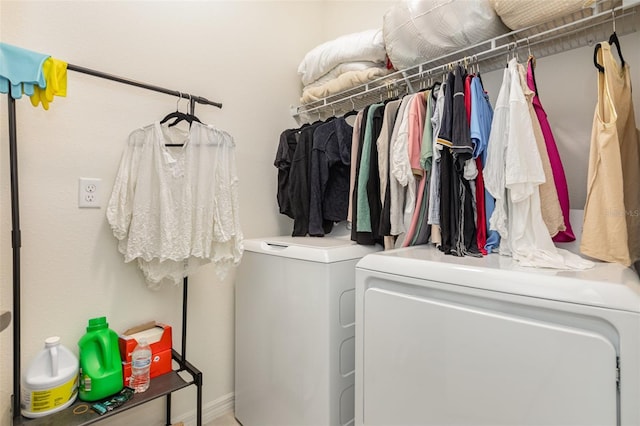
x: 50, y: 383
x: 100, y: 364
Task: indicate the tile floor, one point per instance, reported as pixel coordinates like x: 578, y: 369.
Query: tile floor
x: 225, y: 420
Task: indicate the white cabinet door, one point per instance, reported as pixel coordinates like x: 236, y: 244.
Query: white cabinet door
x: 435, y: 362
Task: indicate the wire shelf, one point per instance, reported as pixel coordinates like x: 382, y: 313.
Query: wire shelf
x: 583, y: 28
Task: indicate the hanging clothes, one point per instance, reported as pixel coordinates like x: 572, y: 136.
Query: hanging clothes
x: 284, y: 157
x: 329, y: 176
x: 434, y: 182
x: 465, y: 233
x: 557, y: 168
x: 456, y: 200
x: 363, y: 190
x: 480, y: 127
x: 417, y: 115
x: 494, y: 171
x: 549, y: 202
x: 477, y: 185
x: 355, y: 155
x: 174, y: 209
x: 402, y: 187
x: 373, y: 184
x: 386, y: 133
x: 363, y: 238
x: 423, y: 230
x: 369, y: 159
x: 611, y: 228
x: 514, y: 157
x: 449, y: 190
x: 299, y: 183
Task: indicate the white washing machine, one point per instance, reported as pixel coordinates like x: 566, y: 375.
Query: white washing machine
x: 295, y: 324
x: 443, y: 340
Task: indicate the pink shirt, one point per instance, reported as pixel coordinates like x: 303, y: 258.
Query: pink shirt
x: 554, y: 158
x: 417, y: 112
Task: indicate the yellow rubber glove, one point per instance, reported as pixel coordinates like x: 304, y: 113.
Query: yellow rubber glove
x: 55, y: 74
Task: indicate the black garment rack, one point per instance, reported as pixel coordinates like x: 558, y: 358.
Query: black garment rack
x: 169, y: 384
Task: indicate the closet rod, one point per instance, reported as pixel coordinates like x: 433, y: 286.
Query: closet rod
x: 100, y: 74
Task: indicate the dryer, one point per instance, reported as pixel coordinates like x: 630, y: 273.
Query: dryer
x: 295, y: 346
x: 443, y: 340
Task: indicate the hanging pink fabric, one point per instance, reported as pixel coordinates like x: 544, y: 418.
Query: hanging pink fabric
x: 554, y: 159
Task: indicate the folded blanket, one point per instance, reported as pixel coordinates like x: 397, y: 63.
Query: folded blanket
x: 348, y: 80
x: 341, y: 69
x: 363, y: 46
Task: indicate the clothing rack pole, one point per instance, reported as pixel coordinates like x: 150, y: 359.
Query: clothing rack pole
x: 15, y: 244
x: 100, y: 74
x: 185, y: 285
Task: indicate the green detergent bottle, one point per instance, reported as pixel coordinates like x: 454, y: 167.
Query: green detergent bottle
x: 100, y: 364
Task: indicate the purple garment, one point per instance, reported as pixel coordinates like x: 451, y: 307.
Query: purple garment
x: 554, y: 158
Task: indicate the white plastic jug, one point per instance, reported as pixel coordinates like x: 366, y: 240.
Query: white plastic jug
x: 50, y: 384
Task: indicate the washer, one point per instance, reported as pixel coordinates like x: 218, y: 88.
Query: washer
x: 295, y: 347
x: 443, y: 340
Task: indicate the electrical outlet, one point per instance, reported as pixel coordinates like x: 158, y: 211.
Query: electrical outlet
x: 89, y: 193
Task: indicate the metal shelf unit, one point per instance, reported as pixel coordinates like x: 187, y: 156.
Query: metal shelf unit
x: 160, y: 386
x: 584, y: 28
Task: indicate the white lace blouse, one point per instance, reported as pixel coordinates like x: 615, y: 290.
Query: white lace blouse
x: 174, y: 209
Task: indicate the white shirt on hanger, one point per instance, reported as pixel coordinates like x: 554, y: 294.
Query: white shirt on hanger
x: 174, y: 209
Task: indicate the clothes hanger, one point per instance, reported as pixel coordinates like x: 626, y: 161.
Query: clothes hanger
x: 532, y: 60
x: 353, y: 109
x: 614, y: 41
x: 509, y: 53
x: 176, y: 113
x: 189, y: 118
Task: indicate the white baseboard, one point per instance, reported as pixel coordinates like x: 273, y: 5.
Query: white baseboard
x: 210, y: 411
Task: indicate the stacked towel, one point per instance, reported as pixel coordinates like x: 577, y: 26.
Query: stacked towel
x: 342, y: 63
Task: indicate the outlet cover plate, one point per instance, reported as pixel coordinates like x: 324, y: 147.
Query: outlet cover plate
x: 89, y: 192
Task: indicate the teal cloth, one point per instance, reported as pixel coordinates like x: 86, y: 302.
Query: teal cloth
x: 426, y: 152
x: 363, y: 223
x: 20, y: 70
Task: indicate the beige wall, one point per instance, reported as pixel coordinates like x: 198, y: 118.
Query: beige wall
x: 241, y: 53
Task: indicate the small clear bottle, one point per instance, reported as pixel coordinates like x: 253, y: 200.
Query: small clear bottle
x: 140, y: 366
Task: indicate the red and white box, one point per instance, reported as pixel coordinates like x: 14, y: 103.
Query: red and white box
x: 158, y: 336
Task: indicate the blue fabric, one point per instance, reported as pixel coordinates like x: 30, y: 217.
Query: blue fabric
x: 481, y: 118
x: 20, y: 70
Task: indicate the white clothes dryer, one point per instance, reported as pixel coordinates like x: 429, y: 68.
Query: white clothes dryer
x: 444, y: 340
x: 295, y: 326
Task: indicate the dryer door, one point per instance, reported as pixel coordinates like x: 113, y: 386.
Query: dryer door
x: 430, y: 361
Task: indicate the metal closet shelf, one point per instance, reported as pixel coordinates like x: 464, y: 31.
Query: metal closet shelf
x: 580, y: 29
